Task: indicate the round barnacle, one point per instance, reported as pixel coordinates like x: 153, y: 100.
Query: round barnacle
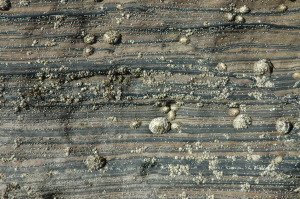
x: 296, y: 75
x: 89, y: 50
x: 184, y: 40
x: 242, y: 121
x: 262, y: 67
x: 135, y: 124
x: 176, y: 126
x: 5, y: 5
x: 229, y: 16
x: 159, y: 125
x: 171, y: 115
x: 244, y: 9
x: 89, y: 39
x: 283, y: 125
x: 239, y: 19
x: 221, y: 66
x: 233, y: 111
x: 165, y: 109
x: 95, y: 162
x: 112, y: 37
x: 282, y: 8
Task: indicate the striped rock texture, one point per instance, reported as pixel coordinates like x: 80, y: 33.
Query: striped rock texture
x: 75, y: 114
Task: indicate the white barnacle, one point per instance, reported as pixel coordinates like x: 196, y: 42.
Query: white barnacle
x: 159, y: 125
x: 89, y: 39
x: 244, y: 9
x: 112, y: 37
x: 184, y: 40
x: 242, y: 121
x: 262, y: 67
x: 283, y: 125
x: 239, y: 19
